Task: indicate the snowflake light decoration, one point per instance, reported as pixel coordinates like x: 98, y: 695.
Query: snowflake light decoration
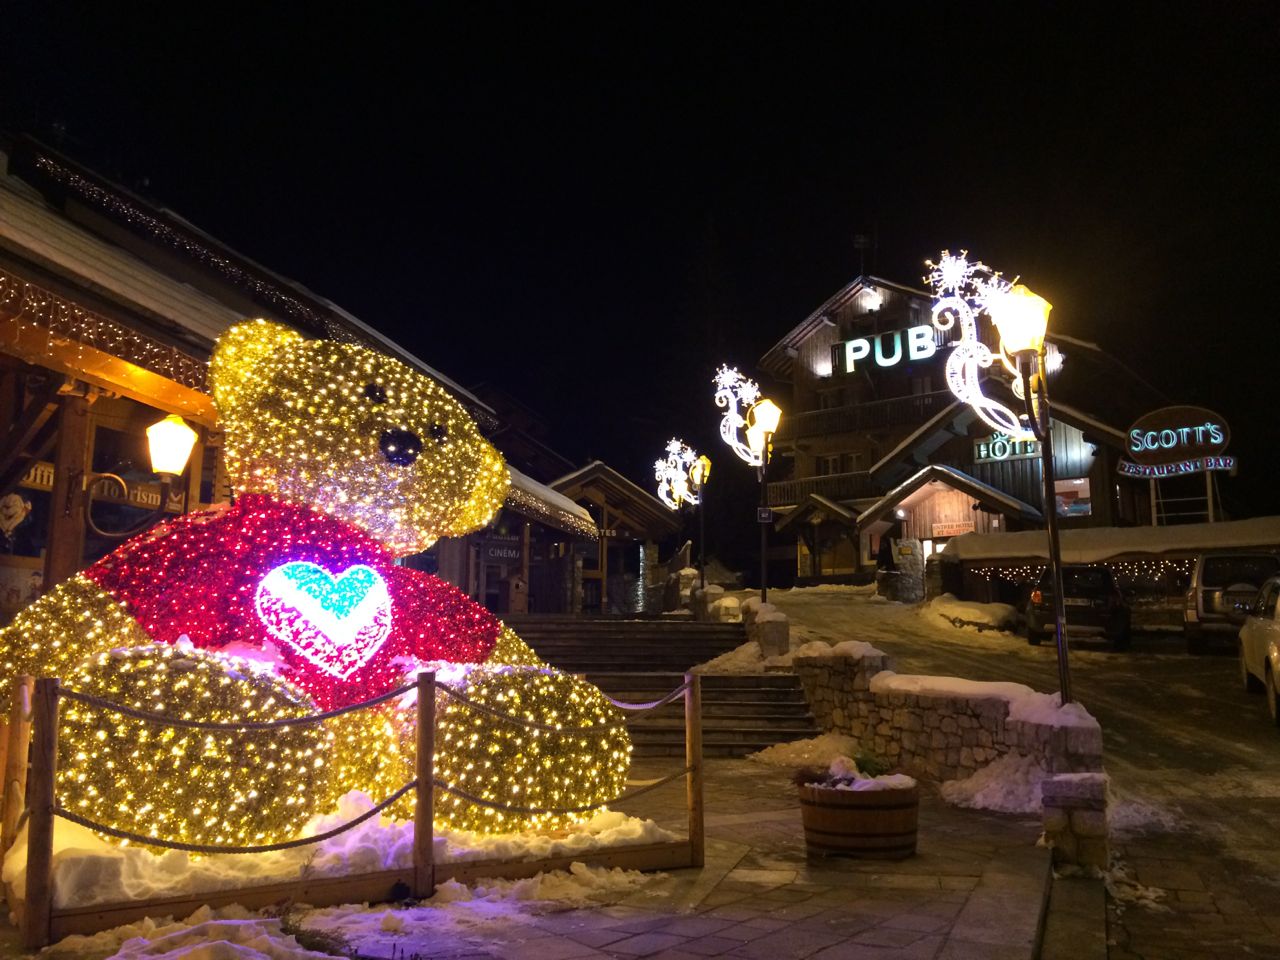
x: 736, y: 394
x: 674, y: 475
x: 963, y: 289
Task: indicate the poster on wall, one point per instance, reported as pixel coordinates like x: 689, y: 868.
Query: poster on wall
x: 1072, y: 497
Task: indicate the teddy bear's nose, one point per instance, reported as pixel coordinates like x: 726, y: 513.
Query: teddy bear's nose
x: 400, y: 447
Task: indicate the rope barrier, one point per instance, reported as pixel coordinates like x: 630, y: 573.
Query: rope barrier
x: 512, y: 718
x: 652, y: 705
x: 535, y: 811
x: 161, y: 718
x: 220, y: 848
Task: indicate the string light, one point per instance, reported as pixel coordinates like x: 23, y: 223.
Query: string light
x: 962, y: 289
x: 196, y: 786
x: 344, y: 459
x: 60, y: 319
x: 197, y: 576
x: 315, y: 422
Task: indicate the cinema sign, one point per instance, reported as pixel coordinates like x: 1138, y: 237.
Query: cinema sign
x: 1177, y: 440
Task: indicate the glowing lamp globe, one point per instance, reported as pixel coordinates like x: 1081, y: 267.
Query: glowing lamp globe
x: 1022, y: 317
x: 170, y: 441
x: 765, y: 415
x: 700, y: 472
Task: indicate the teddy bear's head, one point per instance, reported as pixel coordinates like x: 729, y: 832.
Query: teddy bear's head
x: 353, y: 433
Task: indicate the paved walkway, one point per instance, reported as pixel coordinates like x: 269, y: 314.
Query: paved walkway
x: 975, y: 890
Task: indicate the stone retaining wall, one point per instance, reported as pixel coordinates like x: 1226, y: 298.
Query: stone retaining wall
x: 936, y: 736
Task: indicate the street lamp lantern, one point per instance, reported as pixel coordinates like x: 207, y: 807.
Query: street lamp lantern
x: 757, y: 426
x: 963, y: 290
x: 170, y: 441
x: 1021, y: 317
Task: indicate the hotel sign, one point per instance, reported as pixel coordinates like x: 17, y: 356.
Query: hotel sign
x: 1177, y: 440
x: 1000, y: 446
x: 887, y: 349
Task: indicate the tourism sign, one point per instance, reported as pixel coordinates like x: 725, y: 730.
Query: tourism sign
x: 1177, y: 440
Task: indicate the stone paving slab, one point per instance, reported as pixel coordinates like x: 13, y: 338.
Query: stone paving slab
x: 976, y: 889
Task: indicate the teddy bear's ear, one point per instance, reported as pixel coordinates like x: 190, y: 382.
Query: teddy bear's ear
x: 238, y: 352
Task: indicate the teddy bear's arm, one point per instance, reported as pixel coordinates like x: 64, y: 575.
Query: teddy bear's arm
x: 434, y: 620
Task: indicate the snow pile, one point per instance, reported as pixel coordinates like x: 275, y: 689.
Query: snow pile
x: 818, y: 751
x: 1126, y: 891
x: 1047, y: 709
x: 748, y: 659
x: 1011, y: 784
x: 227, y: 934
x: 1025, y: 705
x: 89, y: 870
x: 966, y: 613
x: 843, y: 774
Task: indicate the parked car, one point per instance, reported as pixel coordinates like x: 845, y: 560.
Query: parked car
x: 1092, y: 603
x: 1221, y: 582
x: 1260, y: 646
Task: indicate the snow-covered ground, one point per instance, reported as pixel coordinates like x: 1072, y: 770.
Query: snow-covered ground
x: 234, y: 933
x: 89, y: 870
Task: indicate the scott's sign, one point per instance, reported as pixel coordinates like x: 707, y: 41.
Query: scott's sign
x: 1177, y: 434
x: 889, y: 349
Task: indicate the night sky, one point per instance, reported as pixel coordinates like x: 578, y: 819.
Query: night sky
x: 595, y: 205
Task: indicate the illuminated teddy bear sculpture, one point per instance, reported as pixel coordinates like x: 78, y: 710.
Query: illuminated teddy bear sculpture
x: 289, y: 602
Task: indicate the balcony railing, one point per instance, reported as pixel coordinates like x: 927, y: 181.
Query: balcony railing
x: 908, y: 411
x: 836, y: 486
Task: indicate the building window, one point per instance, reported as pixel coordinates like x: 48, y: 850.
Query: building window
x: 830, y: 399
x: 833, y: 463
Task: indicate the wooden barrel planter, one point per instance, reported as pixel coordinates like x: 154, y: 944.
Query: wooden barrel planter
x: 871, y: 824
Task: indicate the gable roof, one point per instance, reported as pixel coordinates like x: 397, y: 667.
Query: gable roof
x: 777, y: 359
x: 637, y: 504
x: 984, y: 493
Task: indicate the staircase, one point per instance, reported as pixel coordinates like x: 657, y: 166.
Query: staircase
x: 642, y: 660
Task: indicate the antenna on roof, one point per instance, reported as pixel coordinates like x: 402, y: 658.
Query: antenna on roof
x: 860, y: 243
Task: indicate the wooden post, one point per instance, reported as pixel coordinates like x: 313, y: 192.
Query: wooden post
x: 15, y: 767
x: 37, y: 906
x: 424, y: 867
x: 67, y: 502
x: 693, y: 760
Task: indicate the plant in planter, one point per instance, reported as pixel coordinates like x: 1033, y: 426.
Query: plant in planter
x: 856, y: 808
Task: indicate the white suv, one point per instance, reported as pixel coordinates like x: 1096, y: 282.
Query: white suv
x: 1220, y: 583
x: 1260, y: 647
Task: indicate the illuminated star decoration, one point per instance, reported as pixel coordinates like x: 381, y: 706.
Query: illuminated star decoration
x: 736, y: 394
x: 962, y: 289
x: 675, y: 488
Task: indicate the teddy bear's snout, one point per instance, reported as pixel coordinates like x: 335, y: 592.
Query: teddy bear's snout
x: 400, y: 447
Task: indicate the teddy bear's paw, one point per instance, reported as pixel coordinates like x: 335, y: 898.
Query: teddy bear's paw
x: 565, y: 748
x: 239, y: 787
x: 511, y: 651
x: 70, y: 622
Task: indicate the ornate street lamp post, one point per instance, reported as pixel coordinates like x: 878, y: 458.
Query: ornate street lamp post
x: 681, y: 477
x: 750, y: 435
x: 963, y: 290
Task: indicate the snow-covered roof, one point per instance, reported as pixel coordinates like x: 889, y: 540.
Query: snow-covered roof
x: 1096, y: 544
x: 956, y: 479
x: 816, y: 503
x: 649, y: 508
x: 540, y: 502
x: 31, y: 230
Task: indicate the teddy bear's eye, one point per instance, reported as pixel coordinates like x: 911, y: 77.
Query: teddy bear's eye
x: 439, y: 434
x: 375, y: 393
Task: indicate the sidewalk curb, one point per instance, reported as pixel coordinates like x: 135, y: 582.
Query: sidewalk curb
x: 1004, y: 917
x: 1075, y: 926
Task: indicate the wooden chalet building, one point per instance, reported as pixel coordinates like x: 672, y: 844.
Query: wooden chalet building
x: 881, y: 448
x: 109, y: 308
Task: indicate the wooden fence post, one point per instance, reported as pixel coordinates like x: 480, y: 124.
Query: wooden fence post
x: 37, y: 906
x: 693, y: 760
x: 15, y: 765
x: 424, y: 867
